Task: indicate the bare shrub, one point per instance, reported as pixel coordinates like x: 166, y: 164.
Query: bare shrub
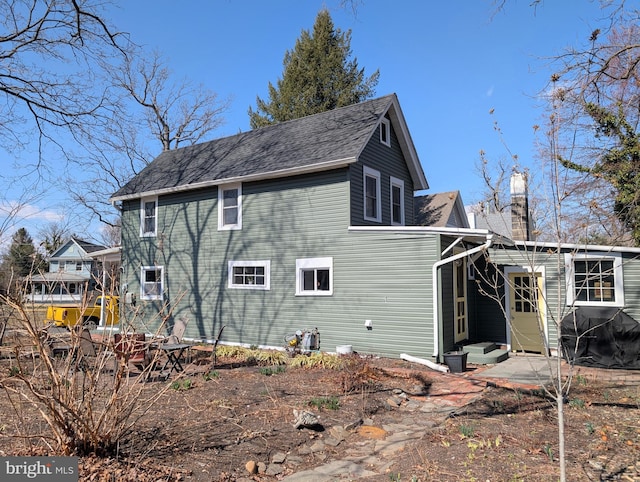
x: 356, y: 374
x: 85, y: 397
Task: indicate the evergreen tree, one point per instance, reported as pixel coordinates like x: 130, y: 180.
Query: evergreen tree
x: 22, y: 257
x: 619, y: 165
x: 318, y: 76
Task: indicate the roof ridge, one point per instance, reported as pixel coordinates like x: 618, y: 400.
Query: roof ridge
x: 287, y: 122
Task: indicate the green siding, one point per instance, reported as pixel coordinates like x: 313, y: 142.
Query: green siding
x: 631, y: 266
x: 387, y: 278
x: 383, y: 277
x: 487, y: 321
x: 491, y: 317
x: 389, y: 161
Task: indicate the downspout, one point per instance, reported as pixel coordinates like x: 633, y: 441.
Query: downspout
x: 436, y: 287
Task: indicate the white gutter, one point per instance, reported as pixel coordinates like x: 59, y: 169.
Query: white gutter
x: 435, y: 286
x: 582, y: 247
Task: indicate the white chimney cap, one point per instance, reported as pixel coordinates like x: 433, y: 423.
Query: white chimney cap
x: 519, y: 184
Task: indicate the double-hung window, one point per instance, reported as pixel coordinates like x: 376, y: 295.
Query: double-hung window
x: 397, y: 201
x: 151, y: 282
x: 230, y: 207
x: 314, y: 276
x: 250, y: 274
x: 372, y: 202
x: 148, y: 216
x: 594, y: 279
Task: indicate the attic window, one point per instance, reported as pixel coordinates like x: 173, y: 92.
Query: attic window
x: 385, y: 132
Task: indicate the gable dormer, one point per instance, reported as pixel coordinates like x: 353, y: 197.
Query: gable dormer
x: 386, y: 175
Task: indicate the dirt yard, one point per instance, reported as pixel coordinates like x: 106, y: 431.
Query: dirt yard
x: 236, y: 423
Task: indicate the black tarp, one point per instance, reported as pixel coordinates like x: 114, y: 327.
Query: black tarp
x: 601, y: 337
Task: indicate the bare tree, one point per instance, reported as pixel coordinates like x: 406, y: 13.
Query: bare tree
x: 152, y: 113
x: 111, y: 235
x: 175, y: 113
x: 495, y: 179
x: 72, y: 81
x: 593, y: 99
x: 52, y: 54
x: 53, y: 235
x: 36, y: 35
x: 588, y: 214
x: 14, y: 211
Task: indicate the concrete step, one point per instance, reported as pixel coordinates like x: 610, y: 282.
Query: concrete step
x: 480, y: 348
x: 496, y: 355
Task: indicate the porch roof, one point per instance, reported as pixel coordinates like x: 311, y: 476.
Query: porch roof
x: 59, y: 276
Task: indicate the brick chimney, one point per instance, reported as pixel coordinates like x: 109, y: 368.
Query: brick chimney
x: 520, y: 224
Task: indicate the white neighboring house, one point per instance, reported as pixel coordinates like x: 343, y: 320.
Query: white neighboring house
x: 74, y: 272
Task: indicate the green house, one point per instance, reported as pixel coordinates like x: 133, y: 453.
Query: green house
x: 311, y: 223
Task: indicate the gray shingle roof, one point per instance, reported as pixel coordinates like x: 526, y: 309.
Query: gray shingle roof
x: 316, y: 142
x: 443, y: 209
x: 86, y: 246
x: 497, y: 222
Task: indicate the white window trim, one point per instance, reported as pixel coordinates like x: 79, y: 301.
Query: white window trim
x: 221, y: 190
x: 266, y: 264
x: 160, y: 295
x: 313, y: 263
x: 387, y: 127
x: 368, y: 172
x: 618, y: 276
x: 148, y: 234
x: 395, y: 182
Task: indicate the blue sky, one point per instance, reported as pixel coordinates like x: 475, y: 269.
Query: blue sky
x: 449, y: 62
